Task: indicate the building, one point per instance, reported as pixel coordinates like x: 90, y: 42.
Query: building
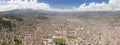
x: 48, y: 41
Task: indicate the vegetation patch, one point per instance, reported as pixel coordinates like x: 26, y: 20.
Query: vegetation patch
x: 6, y: 23
x: 42, y: 17
x: 5, y: 43
x: 18, y: 42
x: 59, y: 41
x: 72, y: 37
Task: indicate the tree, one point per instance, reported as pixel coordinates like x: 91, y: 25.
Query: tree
x: 5, y: 43
x: 1, y: 26
x: 18, y: 42
x: 7, y: 23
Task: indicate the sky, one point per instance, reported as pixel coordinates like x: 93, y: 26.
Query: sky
x: 70, y: 3
x: 62, y: 5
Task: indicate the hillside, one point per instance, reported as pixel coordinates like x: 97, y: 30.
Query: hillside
x: 32, y: 27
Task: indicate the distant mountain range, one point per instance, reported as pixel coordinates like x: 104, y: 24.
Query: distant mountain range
x: 43, y: 12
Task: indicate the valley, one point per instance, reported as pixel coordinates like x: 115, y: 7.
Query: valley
x: 77, y: 28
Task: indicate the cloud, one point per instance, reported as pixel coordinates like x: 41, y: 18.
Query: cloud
x: 113, y: 5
